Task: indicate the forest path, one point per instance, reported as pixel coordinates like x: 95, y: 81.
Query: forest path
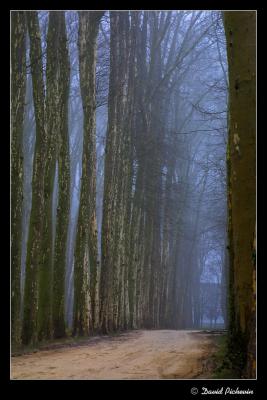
x: 154, y: 354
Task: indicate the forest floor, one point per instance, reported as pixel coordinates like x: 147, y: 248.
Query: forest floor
x: 153, y: 354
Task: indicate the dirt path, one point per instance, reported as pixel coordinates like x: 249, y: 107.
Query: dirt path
x: 157, y: 354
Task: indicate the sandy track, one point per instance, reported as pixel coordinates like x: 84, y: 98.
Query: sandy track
x: 156, y: 354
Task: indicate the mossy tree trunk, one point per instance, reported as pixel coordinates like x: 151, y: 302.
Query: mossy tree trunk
x: 240, y: 29
x: 18, y: 89
x: 51, y: 114
x: 29, y: 329
x: 115, y: 272
x: 63, y: 159
x: 85, y: 259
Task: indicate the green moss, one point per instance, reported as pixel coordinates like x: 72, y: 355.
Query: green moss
x: 225, y: 368
x: 237, y: 343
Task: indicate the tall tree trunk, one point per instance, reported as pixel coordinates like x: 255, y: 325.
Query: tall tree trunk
x: 85, y: 262
x: 240, y: 29
x: 116, y: 277
x: 51, y: 114
x: 29, y: 331
x: 63, y: 159
x: 18, y: 89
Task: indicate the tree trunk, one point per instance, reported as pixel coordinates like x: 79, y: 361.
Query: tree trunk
x: 51, y: 114
x: 85, y: 260
x: 240, y: 29
x: 115, y: 236
x: 18, y: 89
x: 63, y: 159
x: 29, y: 331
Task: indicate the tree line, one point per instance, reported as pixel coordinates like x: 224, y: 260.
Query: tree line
x: 133, y: 264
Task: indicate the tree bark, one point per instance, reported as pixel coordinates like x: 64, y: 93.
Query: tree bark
x: 240, y: 29
x: 18, y: 91
x: 51, y: 115
x: 29, y: 331
x: 63, y: 159
x: 85, y: 263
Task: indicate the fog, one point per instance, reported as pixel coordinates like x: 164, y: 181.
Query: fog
x: 187, y: 178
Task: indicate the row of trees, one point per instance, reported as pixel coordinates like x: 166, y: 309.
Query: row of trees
x: 143, y: 280
x: 156, y: 182
x: 116, y: 230
x: 43, y: 296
